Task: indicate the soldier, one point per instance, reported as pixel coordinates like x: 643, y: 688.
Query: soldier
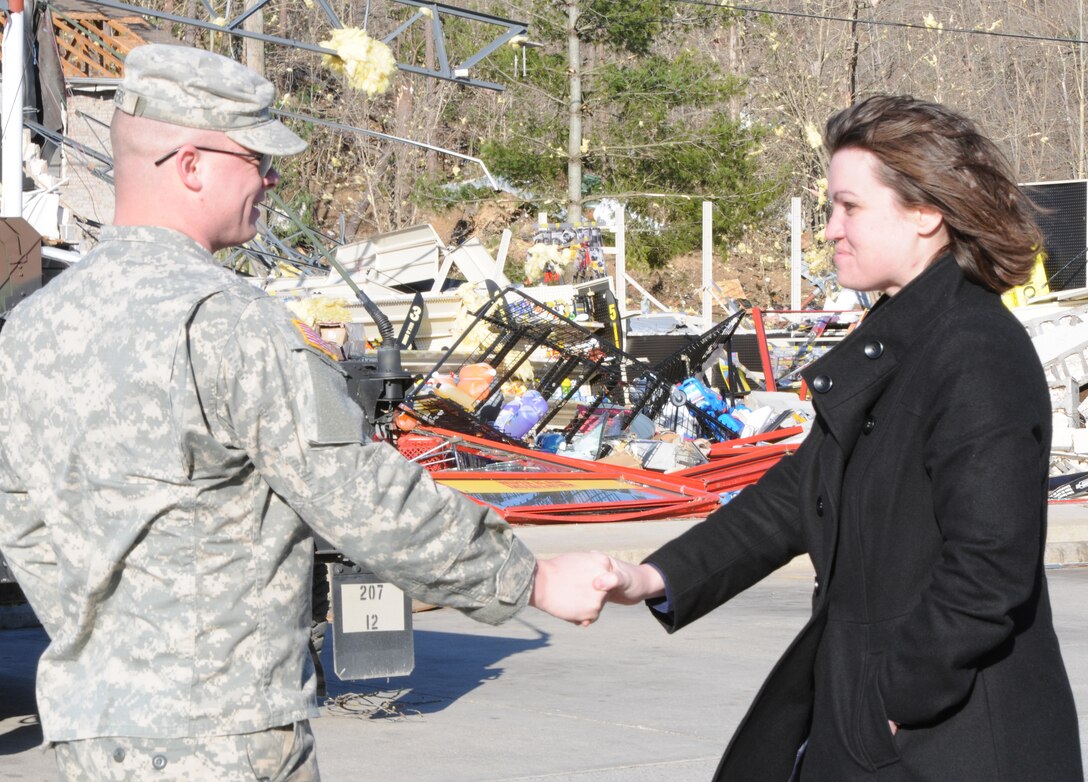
x: 170, y: 439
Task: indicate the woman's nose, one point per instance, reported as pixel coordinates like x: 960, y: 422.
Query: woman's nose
x: 833, y: 230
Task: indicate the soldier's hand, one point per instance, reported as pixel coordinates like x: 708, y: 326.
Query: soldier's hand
x: 564, y: 586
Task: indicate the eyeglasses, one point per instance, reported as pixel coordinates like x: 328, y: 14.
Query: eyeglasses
x: 264, y: 161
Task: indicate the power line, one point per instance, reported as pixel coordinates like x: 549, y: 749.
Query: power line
x: 880, y: 23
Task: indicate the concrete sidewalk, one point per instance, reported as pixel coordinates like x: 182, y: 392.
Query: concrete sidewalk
x: 1067, y: 534
x: 620, y: 701
x: 537, y: 699
x: 1067, y: 537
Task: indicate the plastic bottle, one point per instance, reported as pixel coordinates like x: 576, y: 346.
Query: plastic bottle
x: 550, y: 441
x: 536, y: 402
x: 520, y: 415
x: 455, y: 395
x: 404, y: 422
x: 704, y: 398
x: 476, y: 379
x: 736, y: 419
x: 730, y: 423
x: 506, y: 414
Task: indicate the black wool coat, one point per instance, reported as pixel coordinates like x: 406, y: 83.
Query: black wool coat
x: 920, y: 495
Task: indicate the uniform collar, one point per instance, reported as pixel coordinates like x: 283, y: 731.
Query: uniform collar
x: 153, y: 234
x: 847, y: 380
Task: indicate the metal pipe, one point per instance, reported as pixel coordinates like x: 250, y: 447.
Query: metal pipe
x: 376, y: 134
x: 513, y: 29
x: 11, y: 160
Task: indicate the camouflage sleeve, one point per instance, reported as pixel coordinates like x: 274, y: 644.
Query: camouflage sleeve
x: 288, y: 406
x: 25, y: 542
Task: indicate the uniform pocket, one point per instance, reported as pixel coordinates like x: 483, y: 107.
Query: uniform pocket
x: 330, y: 417
x: 873, y: 734
x: 283, y: 753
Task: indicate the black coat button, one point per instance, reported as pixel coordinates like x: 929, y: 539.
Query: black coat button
x: 821, y: 384
x: 874, y: 349
x: 869, y: 425
x: 819, y: 506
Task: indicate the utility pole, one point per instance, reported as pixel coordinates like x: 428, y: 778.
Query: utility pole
x: 574, y: 139
x: 254, y: 48
x: 1081, y: 86
x: 853, y: 66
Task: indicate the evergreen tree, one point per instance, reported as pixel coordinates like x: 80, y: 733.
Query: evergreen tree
x: 658, y: 133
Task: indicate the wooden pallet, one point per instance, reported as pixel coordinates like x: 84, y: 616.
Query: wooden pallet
x: 92, y: 45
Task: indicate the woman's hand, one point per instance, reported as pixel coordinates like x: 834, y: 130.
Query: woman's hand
x: 628, y: 584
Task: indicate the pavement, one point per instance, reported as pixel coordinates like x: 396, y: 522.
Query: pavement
x: 538, y: 699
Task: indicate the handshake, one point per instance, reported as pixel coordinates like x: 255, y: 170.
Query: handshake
x: 574, y: 587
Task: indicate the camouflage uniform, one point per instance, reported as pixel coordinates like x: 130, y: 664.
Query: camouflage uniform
x: 268, y: 756
x: 171, y: 436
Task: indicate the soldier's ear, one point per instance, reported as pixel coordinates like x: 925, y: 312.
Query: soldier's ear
x: 189, y: 167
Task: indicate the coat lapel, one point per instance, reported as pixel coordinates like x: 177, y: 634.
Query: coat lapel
x: 848, y: 380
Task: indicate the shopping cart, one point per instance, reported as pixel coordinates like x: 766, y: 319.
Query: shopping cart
x: 531, y: 345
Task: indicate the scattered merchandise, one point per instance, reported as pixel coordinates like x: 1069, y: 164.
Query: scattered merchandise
x: 534, y: 414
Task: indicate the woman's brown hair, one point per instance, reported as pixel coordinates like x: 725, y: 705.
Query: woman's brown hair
x: 932, y: 156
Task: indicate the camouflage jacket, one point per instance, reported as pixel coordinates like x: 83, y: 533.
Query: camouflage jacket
x: 169, y: 440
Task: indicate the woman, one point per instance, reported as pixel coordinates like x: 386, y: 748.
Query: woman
x: 920, y: 493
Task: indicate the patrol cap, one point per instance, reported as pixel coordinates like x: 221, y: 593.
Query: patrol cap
x: 186, y: 86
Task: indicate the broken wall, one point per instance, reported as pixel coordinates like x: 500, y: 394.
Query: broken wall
x: 86, y: 195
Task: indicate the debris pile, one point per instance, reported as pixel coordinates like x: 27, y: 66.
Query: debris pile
x: 532, y: 406
x: 548, y: 421
x: 1058, y: 326
x: 530, y: 399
